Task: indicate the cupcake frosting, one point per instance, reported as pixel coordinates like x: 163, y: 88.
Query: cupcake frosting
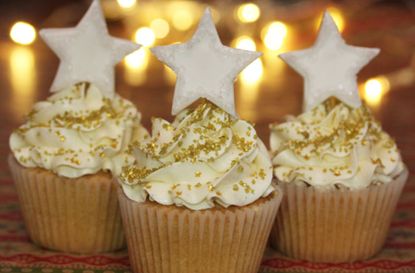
x: 78, y: 131
x: 332, y: 145
x: 205, y: 157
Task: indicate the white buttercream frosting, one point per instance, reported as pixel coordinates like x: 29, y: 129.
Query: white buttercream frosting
x: 334, y: 144
x: 77, y: 132
x: 205, y: 157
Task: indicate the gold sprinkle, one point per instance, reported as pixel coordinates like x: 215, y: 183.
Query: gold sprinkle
x: 198, y: 174
x: 262, y: 174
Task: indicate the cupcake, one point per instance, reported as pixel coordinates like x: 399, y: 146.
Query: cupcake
x: 200, y: 193
x: 63, y: 154
x: 341, y: 174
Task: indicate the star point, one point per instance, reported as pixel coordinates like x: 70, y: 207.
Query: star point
x: 87, y: 52
x: 205, y: 68
x: 330, y: 66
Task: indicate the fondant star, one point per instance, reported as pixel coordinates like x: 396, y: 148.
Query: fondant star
x: 330, y: 66
x: 87, y: 52
x: 205, y: 68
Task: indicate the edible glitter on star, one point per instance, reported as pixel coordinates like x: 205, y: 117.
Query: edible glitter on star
x: 330, y: 67
x: 87, y: 52
x: 205, y: 68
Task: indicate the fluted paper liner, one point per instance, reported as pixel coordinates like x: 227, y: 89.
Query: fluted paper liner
x: 336, y: 225
x: 72, y: 215
x: 170, y: 239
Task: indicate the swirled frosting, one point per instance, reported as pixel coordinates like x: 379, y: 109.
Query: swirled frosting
x: 205, y: 157
x: 333, y: 145
x: 77, y: 132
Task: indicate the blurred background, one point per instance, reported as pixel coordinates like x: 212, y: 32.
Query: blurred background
x: 266, y: 91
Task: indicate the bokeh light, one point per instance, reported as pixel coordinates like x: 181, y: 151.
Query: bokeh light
x: 248, y: 12
x: 160, y: 28
x: 23, y: 33
x: 127, y: 4
x: 22, y: 66
x: 252, y: 74
x: 244, y: 42
x: 337, y: 17
x: 274, y: 34
x: 137, y: 59
x: 182, y: 18
x: 375, y: 89
x: 145, y: 36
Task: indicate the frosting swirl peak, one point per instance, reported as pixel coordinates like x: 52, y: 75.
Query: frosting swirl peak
x: 205, y: 157
x: 334, y: 144
x: 78, y: 131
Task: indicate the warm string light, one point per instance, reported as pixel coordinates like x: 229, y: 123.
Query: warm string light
x: 248, y: 13
x: 138, y: 59
x: 22, y: 66
x: 374, y: 89
x: 23, y: 33
x: 337, y: 16
x: 244, y: 42
x: 145, y: 36
x: 252, y: 74
x: 160, y: 27
x: 182, y: 18
x: 273, y: 35
x: 136, y: 64
x: 127, y: 4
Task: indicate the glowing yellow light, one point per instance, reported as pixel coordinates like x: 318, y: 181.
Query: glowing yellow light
x: 160, y: 27
x: 169, y: 75
x: 22, y: 66
x: 145, y: 36
x: 252, y: 74
x: 182, y: 18
x: 127, y: 4
x: 273, y: 35
x: 137, y: 59
x: 374, y: 89
x: 244, y: 42
x: 23, y: 33
x: 136, y: 64
x: 337, y: 17
x: 248, y: 13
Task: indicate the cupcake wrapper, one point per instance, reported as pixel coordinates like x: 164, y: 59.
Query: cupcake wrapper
x: 335, y: 225
x: 170, y: 239
x: 72, y: 215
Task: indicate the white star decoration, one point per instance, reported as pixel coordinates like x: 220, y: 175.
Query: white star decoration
x: 87, y: 52
x: 330, y: 66
x: 205, y: 68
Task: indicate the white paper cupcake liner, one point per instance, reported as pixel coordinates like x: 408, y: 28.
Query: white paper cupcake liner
x: 170, y: 239
x: 72, y: 215
x: 335, y: 225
